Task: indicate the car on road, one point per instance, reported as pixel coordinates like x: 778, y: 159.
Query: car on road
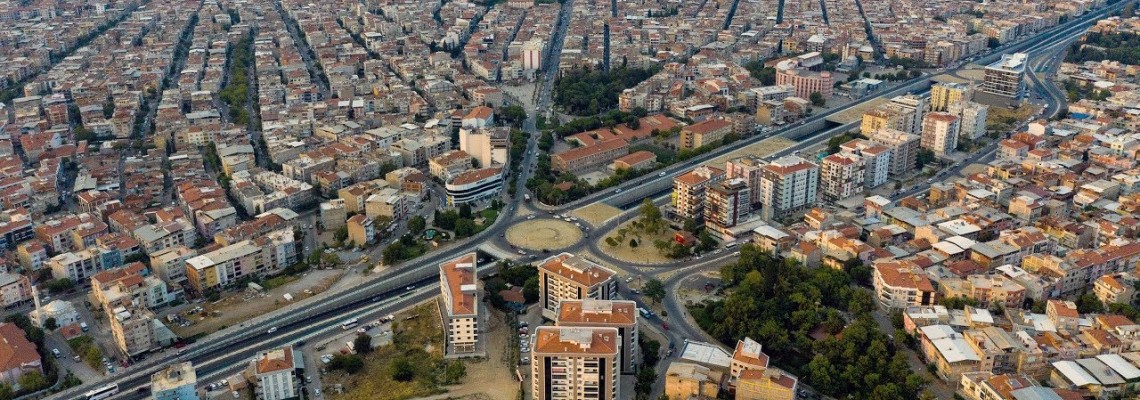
x: 410, y: 287
x: 661, y: 174
x: 664, y: 326
x: 271, y: 330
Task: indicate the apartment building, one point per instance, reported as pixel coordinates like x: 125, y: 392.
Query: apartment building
x: 580, y: 159
x: 972, y: 119
x: 575, y: 363
x: 704, y: 133
x: 689, y: 191
x: 130, y: 285
x: 570, y: 277
x: 787, y: 185
x: 223, y: 266
x: 749, y: 169
x: 619, y: 314
x: 459, y: 285
x: 275, y: 374
x: 766, y: 384
x: 726, y: 204
x: 1003, y: 82
x: 902, y: 284
x: 175, y: 382
x: 487, y: 146
x: 841, y: 176
x: 876, y: 160
x: 904, y: 148
x: 940, y: 133
x: 14, y: 289
x: 945, y: 94
x: 132, y: 328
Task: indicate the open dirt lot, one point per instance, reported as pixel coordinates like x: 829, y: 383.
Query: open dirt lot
x: 597, y: 214
x: 493, y: 377
x: 538, y: 234
x: 760, y: 149
x: 241, y: 306
x: 644, y: 253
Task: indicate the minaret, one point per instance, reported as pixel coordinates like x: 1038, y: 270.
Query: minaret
x: 36, y: 300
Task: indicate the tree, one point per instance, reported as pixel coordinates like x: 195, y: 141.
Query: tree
x: 50, y: 324
x: 402, y: 370
x: 32, y: 381
x: 1089, y: 303
x: 465, y: 228
x: 632, y: 243
x: 362, y: 344
x: 925, y: 156
x: 530, y: 289
x: 341, y: 234
x: 611, y: 241
x: 465, y: 211
x: 393, y: 253
x: 417, y: 224
x: 652, y: 221
x: 654, y: 289
x: 350, y: 363
x: 454, y: 372
x: 6, y: 392
x: 690, y: 225
x: 817, y: 99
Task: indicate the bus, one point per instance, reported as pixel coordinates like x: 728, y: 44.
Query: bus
x: 104, y: 392
x: 346, y: 325
x: 730, y: 245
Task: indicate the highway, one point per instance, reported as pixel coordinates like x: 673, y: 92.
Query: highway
x: 312, y: 317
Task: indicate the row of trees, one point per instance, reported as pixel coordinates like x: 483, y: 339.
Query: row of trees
x: 607, y: 120
x: 236, y: 92
x: 583, y: 91
x: 784, y: 305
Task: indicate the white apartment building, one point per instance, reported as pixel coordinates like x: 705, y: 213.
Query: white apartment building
x: 569, y: 277
x: 575, y: 363
x: 620, y: 314
x: 274, y: 373
x: 877, y: 160
x: 459, y: 286
x: 788, y: 185
x: 972, y: 119
x: 841, y: 176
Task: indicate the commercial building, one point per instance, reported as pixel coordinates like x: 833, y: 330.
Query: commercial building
x: 569, y: 277
x: 841, y: 176
x: 689, y: 191
x: 1003, y: 82
x: 175, y: 382
x: 459, y: 285
x: 619, y: 314
x: 475, y: 185
x: 805, y: 82
x: 787, y: 185
x: 940, y: 133
x: 275, y: 374
x: 575, y: 363
x: 707, y: 132
x: 904, y: 148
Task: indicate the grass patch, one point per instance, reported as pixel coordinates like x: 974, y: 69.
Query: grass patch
x: 1002, y: 119
x: 412, y: 367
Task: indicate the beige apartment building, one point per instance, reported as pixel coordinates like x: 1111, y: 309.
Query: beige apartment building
x: 459, y: 286
x: 575, y: 363
x: 570, y: 277
x: 620, y: 314
x: 689, y: 191
x: 904, y: 148
x: 132, y: 330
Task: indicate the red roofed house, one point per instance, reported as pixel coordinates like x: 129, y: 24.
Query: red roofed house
x: 17, y: 355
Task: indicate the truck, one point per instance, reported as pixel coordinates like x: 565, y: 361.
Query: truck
x: 526, y: 197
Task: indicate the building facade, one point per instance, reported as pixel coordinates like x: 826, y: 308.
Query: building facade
x: 569, y: 277
x: 788, y: 185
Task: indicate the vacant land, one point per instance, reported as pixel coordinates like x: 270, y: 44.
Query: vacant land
x: 493, y: 377
x: 644, y: 253
x: 241, y: 306
x: 418, y: 340
x: 539, y: 234
x: 597, y: 214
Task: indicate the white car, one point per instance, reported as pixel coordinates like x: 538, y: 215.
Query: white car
x: 271, y: 330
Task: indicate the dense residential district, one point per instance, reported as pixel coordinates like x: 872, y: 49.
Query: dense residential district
x: 569, y: 199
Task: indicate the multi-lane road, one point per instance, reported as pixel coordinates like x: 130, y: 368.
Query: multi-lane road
x: 320, y: 315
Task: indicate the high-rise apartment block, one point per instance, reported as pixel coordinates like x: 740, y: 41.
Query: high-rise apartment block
x: 620, y: 314
x: 841, y: 176
x: 575, y: 363
x: 904, y: 148
x: 940, y: 133
x: 972, y: 119
x: 726, y: 204
x: 275, y: 374
x: 1003, y: 82
x: 689, y: 191
x: 748, y: 169
x: 459, y: 285
x: 788, y: 185
x: 569, y: 277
